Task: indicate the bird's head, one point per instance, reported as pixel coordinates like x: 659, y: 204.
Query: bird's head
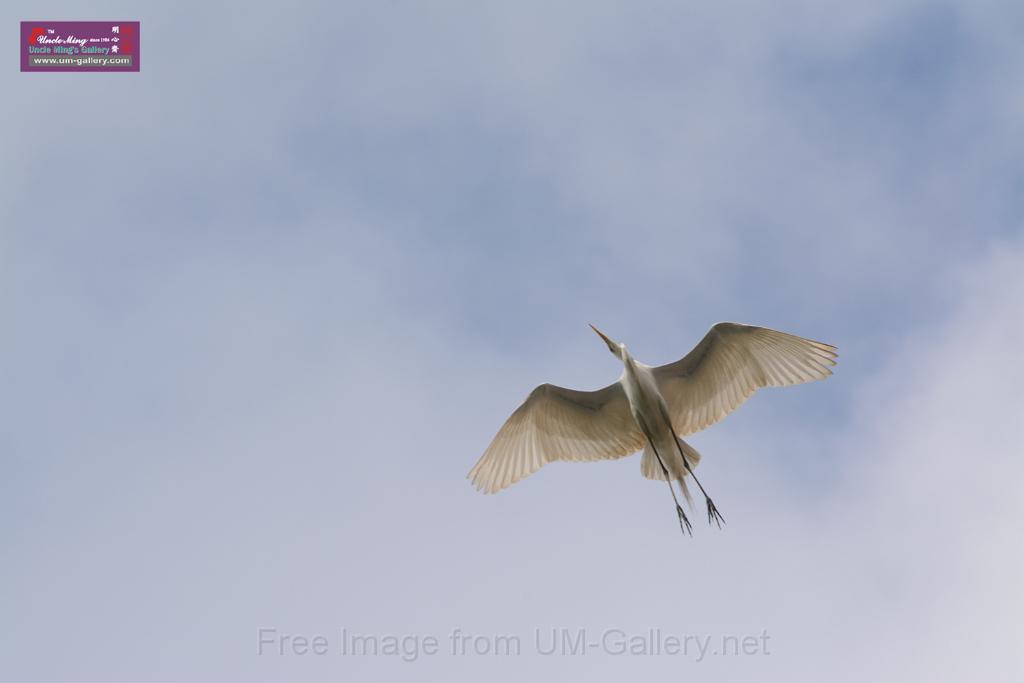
x: 618, y: 350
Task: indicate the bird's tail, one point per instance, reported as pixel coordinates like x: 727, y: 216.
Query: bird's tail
x: 650, y: 467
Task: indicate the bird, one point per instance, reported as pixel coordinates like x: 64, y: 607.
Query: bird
x: 651, y: 409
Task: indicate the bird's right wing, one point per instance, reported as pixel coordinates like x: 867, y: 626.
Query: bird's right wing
x: 554, y: 423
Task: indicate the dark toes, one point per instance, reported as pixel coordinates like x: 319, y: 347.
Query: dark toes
x: 714, y: 515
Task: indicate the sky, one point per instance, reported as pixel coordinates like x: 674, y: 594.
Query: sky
x: 266, y: 302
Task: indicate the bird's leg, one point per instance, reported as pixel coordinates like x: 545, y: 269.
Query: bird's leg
x: 713, y: 514
x: 684, y: 523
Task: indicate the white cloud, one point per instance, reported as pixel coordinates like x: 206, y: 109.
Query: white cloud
x: 935, y: 483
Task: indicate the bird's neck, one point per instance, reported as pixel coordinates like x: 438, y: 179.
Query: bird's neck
x: 628, y: 362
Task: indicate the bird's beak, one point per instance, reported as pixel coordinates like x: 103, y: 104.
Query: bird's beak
x: 601, y: 334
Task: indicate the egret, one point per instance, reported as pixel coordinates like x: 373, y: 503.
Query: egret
x: 651, y: 408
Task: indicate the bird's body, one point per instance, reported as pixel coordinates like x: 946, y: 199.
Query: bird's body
x: 649, y: 408
x: 642, y: 391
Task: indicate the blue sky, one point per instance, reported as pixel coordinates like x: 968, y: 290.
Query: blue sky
x: 268, y: 300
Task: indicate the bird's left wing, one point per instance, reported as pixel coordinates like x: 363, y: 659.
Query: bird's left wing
x: 554, y: 423
x: 729, y: 364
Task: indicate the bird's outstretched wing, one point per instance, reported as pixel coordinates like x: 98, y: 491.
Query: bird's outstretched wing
x: 729, y: 364
x: 558, y: 424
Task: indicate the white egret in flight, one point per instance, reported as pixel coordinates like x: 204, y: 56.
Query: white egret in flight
x: 649, y: 408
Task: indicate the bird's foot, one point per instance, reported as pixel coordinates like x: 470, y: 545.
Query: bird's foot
x: 684, y: 523
x: 714, y: 515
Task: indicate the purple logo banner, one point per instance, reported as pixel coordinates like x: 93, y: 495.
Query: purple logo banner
x: 79, y: 46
